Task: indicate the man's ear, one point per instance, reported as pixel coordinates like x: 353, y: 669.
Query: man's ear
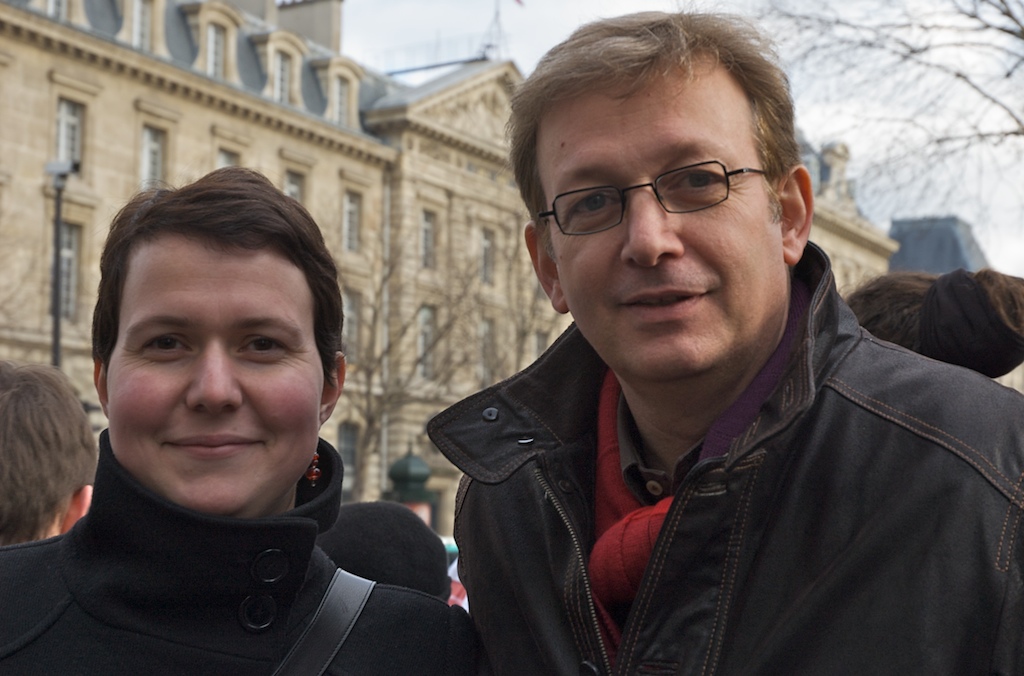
x: 545, y: 266
x: 332, y: 391
x: 796, y: 201
x: 99, y: 379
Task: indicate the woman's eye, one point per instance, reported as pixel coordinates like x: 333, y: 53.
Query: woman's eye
x: 164, y: 343
x: 262, y: 344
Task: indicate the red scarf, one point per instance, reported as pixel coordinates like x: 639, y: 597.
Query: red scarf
x: 626, y: 529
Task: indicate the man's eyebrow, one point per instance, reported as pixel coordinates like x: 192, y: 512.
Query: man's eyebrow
x: 682, y: 154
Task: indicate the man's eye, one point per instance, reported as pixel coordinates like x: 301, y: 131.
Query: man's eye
x: 689, y: 180
x: 593, y: 202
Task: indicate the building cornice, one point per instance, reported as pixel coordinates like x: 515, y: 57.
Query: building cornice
x: 111, y: 56
x: 395, y: 122
x: 854, y: 230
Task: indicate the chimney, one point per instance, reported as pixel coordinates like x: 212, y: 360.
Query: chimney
x: 317, y: 20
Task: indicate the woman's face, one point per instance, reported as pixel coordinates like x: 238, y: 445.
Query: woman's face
x: 215, y: 391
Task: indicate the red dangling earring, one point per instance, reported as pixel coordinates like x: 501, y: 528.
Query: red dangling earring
x: 313, y: 473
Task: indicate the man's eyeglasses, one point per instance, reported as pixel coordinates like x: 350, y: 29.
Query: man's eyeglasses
x: 690, y: 188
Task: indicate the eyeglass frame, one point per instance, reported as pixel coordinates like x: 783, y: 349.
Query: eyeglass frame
x: 653, y: 185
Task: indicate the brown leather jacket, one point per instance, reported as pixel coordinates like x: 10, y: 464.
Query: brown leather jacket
x: 868, y: 522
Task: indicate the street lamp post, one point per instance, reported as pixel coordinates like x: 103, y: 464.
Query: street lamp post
x: 59, y: 169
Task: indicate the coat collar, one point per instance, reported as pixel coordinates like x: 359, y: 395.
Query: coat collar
x: 553, y: 402
x: 139, y: 561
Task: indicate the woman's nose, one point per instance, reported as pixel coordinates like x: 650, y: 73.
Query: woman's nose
x: 214, y: 386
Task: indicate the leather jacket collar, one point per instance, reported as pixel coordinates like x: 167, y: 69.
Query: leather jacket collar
x: 553, y: 402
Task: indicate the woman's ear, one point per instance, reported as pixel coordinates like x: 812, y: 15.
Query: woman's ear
x: 99, y: 380
x: 332, y: 391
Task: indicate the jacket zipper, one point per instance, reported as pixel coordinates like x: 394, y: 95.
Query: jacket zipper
x: 564, y: 515
x: 691, y: 477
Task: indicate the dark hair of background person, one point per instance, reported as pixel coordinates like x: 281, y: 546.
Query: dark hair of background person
x: 47, y: 449
x: 231, y: 207
x: 387, y: 542
x: 985, y: 309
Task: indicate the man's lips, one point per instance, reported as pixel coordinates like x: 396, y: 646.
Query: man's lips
x: 661, y: 298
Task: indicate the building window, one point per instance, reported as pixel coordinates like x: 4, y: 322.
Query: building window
x: 294, y: 185
x: 142, y: 25
x: 227, y: 158
x: 341, y: 92
x: 216, y: 42
x: 58, y: 9
x: 425, y: 339
x: 487, y: 257
x: 348, y: 439
x: 428, y: 239
x: 153, y: 141
x: 351, y: 222
x: 282, y: 77
x: 70, y: 249
x: 353, y: 304
x: 488, y: 351
x: 70, y: 126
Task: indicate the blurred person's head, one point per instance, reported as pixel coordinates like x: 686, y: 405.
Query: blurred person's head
x: 47, y: 453
x: 217, y: 342
x: 969, y: 319
x: 387, y: 542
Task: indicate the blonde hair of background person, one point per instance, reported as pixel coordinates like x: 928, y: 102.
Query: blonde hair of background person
x: 47, y: 453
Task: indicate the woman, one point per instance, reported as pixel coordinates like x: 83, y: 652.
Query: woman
x: 216, y: 342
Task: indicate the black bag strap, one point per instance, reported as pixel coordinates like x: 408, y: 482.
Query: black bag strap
x: 320, y: 642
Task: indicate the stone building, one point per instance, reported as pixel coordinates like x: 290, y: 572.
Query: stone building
x: 858, y: 249
x: 408, y: 183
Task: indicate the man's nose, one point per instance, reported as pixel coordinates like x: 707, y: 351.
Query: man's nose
x: 214, y: 386
x: 651, y: 232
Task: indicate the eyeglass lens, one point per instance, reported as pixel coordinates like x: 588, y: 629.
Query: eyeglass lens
x: 687, y: 189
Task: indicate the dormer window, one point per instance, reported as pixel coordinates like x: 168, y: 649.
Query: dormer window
x: 341, y: 94
x: 215, y: 28
x: 216, y: 40
x: 58, y: 9
x: 282, y: 77
x: 142, y: 25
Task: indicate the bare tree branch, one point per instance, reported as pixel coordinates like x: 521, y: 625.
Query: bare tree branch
x: 933, y: 89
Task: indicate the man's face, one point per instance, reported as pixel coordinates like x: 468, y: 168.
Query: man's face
x: 215, y: 389
x: 664, y: 297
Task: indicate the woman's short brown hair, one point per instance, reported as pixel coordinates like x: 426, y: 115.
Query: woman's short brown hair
x: 231, y: 207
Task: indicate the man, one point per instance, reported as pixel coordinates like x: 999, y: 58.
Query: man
x: 47, y: 453
x: 715, y: 470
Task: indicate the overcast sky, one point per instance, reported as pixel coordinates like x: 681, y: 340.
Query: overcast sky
x: 393, y: 34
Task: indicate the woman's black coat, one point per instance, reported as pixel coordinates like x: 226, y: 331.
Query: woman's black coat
x: 144, y: 586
